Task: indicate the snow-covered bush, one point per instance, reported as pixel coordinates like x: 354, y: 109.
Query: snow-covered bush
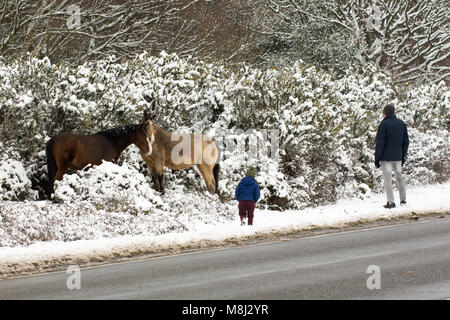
x: 14, y: 183
x: 120, y: 188
x: 428, y: 158
x: 110, y: 187
x: 427, y: 107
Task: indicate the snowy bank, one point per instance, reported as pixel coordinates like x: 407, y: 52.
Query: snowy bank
x: 203, y: 232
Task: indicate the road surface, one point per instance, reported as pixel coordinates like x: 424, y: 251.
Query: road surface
x: 408, y: 261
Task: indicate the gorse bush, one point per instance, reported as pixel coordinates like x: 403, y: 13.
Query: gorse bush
x: 110, y: 187
x: 14, y: 182
x: 325, y: 127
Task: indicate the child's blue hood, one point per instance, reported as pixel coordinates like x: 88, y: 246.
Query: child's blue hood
x: 248, y: 180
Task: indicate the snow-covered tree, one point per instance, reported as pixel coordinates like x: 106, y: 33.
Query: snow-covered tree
x: 411, y: 39
x: 78, y: 31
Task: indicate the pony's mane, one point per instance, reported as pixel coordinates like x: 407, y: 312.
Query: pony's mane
x: 118, y: 131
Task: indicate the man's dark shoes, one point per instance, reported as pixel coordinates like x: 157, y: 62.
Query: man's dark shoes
x: 389, y: 205
x: 403, y: 203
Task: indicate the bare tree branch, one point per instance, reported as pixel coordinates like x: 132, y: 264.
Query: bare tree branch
x: 404, y: 37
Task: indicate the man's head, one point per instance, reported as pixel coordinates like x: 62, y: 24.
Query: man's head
x: 389, y: 110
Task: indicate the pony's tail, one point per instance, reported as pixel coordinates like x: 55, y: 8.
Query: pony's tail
x: 216, y: 169
x: 51, y: 167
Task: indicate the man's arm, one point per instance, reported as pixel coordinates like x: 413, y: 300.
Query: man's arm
x: 380, y: 142
x: 405, y: 144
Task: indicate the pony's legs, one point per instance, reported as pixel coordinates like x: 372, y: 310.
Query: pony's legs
x: 51, y: 167
x: 155, y: 178
x: 51, y: 186
x: 161, y: 183
x: 207, y: 174
x: 57, y: 177
x: 65, y: 154
x: 154, y: 165
x: 159, y: 174
x: 62, y: 165
x: 60, y: 173
x: 158, y: 179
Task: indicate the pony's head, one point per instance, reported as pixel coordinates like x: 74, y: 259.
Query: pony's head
x: 150, y: 114
x: 140, y: 137
x: 149, y: 128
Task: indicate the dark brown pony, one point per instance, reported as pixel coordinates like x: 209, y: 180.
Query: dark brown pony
x: 166, y: 150
x: 71, y: 151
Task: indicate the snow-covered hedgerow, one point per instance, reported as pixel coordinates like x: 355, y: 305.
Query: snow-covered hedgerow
x: 427, y: 108
x: 110, y: 187
x: 326, y: 127
x: 120, y: 188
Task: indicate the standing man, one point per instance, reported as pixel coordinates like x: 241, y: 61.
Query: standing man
x: 247, y: 193
x: 390, y: 154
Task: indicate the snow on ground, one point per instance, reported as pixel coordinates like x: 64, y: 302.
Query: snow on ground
x: 204, y: 232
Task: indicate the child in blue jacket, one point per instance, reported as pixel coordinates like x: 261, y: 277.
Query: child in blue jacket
x: 247, y: 193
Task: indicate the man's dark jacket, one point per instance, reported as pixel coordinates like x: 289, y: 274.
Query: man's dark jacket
x: 247, y: 189
x: 392, y: 140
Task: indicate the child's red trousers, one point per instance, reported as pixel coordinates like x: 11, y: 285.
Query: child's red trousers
x: 246, y: 209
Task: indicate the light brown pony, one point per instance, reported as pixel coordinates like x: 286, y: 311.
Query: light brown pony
x: 71, y: 151
x: 179, y: 152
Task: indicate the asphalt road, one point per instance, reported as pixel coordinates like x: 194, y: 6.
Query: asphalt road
x: 413, y: 261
